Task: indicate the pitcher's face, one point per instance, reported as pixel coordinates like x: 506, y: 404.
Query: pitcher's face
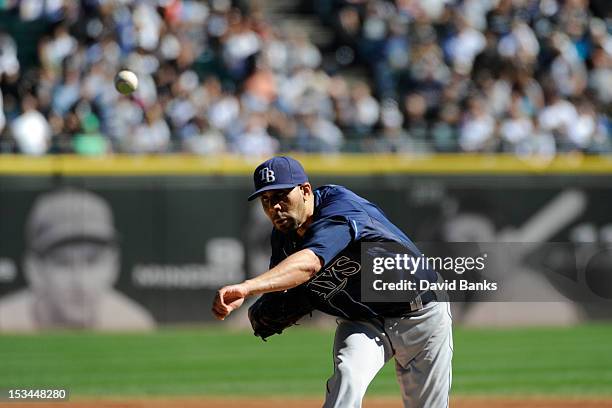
x: 285, y: 208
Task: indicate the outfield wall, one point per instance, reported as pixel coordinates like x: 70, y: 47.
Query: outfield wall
x: 184, y: 226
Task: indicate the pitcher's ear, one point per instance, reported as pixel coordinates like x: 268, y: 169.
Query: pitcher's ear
x: 306, y: 188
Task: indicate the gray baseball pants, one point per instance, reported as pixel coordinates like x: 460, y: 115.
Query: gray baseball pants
x: 421, y: 343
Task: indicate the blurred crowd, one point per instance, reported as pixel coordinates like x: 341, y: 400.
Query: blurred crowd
x: 523, y: 76
x: 520, y: 76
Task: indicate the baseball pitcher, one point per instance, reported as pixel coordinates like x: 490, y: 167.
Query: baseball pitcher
x: 316, y: 264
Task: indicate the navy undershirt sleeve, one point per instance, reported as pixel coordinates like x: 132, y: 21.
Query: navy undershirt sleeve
x: 276, y: 244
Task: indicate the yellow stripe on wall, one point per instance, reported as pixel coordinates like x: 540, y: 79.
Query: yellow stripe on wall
x: 345, y: 164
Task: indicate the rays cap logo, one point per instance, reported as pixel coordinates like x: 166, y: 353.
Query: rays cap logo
x: 277, y: 173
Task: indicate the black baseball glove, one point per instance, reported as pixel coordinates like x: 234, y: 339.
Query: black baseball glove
x: 274, y: 312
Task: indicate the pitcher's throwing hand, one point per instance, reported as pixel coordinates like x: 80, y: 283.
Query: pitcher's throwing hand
x: 228, y: 299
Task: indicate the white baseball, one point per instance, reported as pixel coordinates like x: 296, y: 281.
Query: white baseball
x: 126, y: 82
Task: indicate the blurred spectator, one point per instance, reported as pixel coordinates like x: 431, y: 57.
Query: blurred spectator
x: 581, y: 132
x: 9, y: 65
x: 465, y: 45
x: 89, y: 141
x: 255, y: 140
x: 601, y: 76
x: 393, y: 138
x: 152, y: 136
x: 567, y: 69
x: 317, y: 134
x: 516, y: 128
x: 520, y: 44
x: 540, y: 143
x: 31, y: 130
x: 239, y: 44
x: 416, y: 109
x: 366, y: 109
x: 66, y: 93
x: 199, y: 138
x: 477, y: 130
x: 557, y: 115
x: 302, y: 52
x: 445, y: 131
x: 53, y: 51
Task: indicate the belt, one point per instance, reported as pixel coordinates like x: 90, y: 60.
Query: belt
x: 417, y: 304
x: 421, y: 300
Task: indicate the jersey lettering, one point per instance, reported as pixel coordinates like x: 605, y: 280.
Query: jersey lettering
x: 333, y: 279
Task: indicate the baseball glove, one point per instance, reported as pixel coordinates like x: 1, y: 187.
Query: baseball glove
x: 274, y: 312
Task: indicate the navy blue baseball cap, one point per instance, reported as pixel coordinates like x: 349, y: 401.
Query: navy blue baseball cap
x: 278, y: 173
